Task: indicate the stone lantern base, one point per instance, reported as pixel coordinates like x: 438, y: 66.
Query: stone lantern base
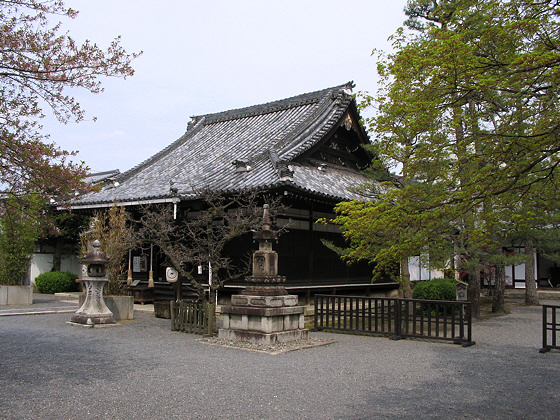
x: 94, y: 311
x: 263, y: 319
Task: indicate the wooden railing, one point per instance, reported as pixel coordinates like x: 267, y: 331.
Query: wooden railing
x: 397, y: 318
x: 436, y: 319
x: 192, y: 317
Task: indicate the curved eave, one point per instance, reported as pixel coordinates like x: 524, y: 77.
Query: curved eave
x: 136, y: 202
x: 287, y: 185
x: 317, y: 195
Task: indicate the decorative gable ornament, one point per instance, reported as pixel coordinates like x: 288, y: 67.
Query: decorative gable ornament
x: 348, y: 123
x: 241, y: 166
x: 284, y: 171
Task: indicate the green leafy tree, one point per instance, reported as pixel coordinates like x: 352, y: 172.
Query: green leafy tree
x: 19, y: 229
x: 40, y: 66
x: 537, y: 230
x: 468, y: 111
x: 64, y: 233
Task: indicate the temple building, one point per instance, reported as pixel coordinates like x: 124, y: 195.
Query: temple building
x: 309, y: 149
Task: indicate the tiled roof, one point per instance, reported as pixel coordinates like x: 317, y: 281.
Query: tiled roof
x: 246, y: 148
x: 97, y: 177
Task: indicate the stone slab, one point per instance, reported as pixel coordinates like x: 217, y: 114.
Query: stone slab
x: 264, y: 301
x: 3, y: 295
x: 265, y: 324
x: 16, y: 295
x: 122, y: 307
x: 257, y: 311
x: 76, y: 324
x: 263, y: 338
x: 91, y: 320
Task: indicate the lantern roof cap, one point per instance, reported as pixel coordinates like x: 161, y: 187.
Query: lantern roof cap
x: 95, y: 256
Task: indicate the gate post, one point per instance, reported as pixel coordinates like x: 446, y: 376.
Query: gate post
x: 315, y: 316
x: 209, y: 312
x: 469, y: 342
x: 398, y: 320
x: 172, y: 310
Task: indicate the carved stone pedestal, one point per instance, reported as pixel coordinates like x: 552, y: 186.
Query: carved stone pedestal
x: 94, y: 311
x: 263, y: 319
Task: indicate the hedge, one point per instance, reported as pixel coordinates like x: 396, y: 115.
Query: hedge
x: 56, y: 282
x: 435, y: 289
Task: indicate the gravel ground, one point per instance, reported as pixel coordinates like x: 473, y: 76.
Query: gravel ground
x: 140, y: 369
x: 274, y: 349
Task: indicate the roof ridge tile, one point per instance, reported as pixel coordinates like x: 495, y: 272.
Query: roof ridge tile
x: 273, y: 106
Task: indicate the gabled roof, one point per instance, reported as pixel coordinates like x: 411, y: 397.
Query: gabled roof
x: 248, y: 148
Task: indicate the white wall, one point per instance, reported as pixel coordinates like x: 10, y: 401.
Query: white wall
x: 42, y: 263
x: 419, y: 271
x: 515, y: 275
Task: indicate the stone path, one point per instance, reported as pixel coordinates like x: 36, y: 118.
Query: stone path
x: 61, y: 303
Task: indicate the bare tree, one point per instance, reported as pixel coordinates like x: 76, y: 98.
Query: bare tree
x: 198, y: 238
x: 112, y: 229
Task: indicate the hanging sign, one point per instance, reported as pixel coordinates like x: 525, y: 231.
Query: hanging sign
x: 136, y: 264
x: 171, y: 275
x: 140, y: 263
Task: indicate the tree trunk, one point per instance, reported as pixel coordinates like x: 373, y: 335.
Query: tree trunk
x: 213, y: 295
x: 498, y: 303
x: 57, y: 256
x: 178, y: 289
x: 531, y: 297
x: 405, y: 285
x: 473, y: 292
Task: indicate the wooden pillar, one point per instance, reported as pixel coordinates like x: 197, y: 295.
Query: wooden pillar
x: 151, y: 272
x: 129, y: 273
x: 178, y: 289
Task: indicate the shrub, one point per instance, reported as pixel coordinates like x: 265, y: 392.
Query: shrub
x: 56, y: 282
x: 435, y: 289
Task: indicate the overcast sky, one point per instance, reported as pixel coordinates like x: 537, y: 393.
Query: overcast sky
x: 209, y: 56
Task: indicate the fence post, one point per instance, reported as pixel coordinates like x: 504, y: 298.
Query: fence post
x: 173, y: 315
x: 397, y: 320
x: 315, y: 315
x: 545, y: 346
x: 209, y: 312
x: 469, y: 341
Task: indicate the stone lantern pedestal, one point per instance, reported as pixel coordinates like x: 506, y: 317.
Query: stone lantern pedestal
x: 94, y: 311
x: 264, y: 312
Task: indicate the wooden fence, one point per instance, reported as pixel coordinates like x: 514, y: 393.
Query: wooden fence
x: 192, y: 317
x: 397, y: 318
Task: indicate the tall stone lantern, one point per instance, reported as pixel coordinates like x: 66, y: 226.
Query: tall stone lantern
x: 264, y: 312
x: 94, y: 311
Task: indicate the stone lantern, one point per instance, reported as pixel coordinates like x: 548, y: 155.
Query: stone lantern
x: 461, y: 289
x: 264, y: 312
x: 94, y: 311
